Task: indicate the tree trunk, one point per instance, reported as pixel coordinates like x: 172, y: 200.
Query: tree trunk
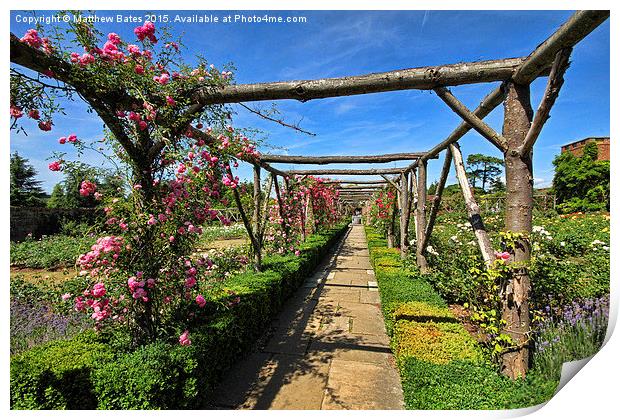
x: 519, y: 202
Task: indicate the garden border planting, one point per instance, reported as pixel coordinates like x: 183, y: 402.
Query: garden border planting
x: 440, y: 364
x: 90, y: 371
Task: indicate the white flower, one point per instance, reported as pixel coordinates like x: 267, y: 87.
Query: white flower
x: 562, y: 243
x: 606, y: 248
x: 454, y: 238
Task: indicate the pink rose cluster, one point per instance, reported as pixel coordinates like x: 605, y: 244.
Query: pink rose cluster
x: 137, y: 285
x: 55, y: 166
x: 504, y: 256
x: 71, y: 138
x: 103, y: 254
x: 33, y: 39
x: 146, y: 31
x: 87, y: 188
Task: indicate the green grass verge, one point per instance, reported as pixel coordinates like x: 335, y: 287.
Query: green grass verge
x: 440, y: 364
x: 90, y: 371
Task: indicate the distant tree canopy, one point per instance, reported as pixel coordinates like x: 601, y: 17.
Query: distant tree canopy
x: 26, y: 190
x: 67, y: 194
x: 581, y: 183
x: 486, y: 170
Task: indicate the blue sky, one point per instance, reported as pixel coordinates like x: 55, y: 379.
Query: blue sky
x: 341, y: 43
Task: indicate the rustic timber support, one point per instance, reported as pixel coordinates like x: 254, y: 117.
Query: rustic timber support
x: 445, y: 170
x: 473, y: 210
x: 519, y: 202
x: 256, y: 220
x: 389, y: 171
x: 421, y: 217
x: 246, y: 222
x: 282, y: 214
x: 265, y: 211
x: 404, y: 216
x: 325, y: 160
x: 415, y: 78
x: 554, y: 84
x: 391, y: 237
x: 471, y: 118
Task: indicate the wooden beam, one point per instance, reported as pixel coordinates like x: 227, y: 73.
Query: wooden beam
x: 577, y: 27
x: 325, y: 160
x: 389, y: 171
x: 554, y: 84
x: 392, y: 182
x: 415, y: 78
x: 488, y: 104
x: 271, y: 169
x: 471, y: 118
x: 357, y: 187
x: 354, y: 182
x: 473, y: 211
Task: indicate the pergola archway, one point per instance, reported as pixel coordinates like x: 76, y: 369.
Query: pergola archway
x: 520, y: 131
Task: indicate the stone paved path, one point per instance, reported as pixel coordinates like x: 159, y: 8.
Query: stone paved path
x: 327, y: 350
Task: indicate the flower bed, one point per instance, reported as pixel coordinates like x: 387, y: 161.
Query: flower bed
x: 92, y: 371
x: 441, y: 365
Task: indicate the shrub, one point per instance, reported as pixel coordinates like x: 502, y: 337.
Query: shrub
x: 84, y: 373
x: 58, y: 375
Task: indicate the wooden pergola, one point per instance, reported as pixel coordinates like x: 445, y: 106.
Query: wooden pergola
x: 521, y: 128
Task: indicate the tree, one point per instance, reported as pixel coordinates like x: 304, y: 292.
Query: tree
x: 26, y: 190
x: 484, y: 168
x: 57, y: 199
x: 581, y: 183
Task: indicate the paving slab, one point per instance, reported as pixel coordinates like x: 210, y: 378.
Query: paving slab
x: 380, y: 388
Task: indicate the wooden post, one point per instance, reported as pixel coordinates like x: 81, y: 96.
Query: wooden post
x: 265, y: 211
x: 391, y: 239
x: 256, y: 218
x: 445, y: 170
x: 473, y: 210
x: 281, y: 211
x: 246, y: 222
x: 519, y: 201
x: 404, y: 205
x: 421, y: 217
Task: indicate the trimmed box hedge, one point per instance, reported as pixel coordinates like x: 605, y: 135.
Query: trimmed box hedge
x: 89, y: 371
x: 440, y: 364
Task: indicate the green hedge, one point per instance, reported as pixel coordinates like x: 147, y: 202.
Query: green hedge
x: 86, y: 373
x: 441, y: 366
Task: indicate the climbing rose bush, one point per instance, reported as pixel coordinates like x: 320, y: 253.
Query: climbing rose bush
x: 142, y: 273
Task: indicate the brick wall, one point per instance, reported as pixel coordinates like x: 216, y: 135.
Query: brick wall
x: 576, y: 148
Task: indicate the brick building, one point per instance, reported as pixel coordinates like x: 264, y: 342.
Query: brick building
x: 576, y: 147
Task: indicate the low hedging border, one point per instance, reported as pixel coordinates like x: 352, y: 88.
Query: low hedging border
x: 85, y: 373
x: 440, y: 365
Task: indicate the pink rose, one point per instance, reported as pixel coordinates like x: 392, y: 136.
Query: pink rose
x: 184, y: 339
